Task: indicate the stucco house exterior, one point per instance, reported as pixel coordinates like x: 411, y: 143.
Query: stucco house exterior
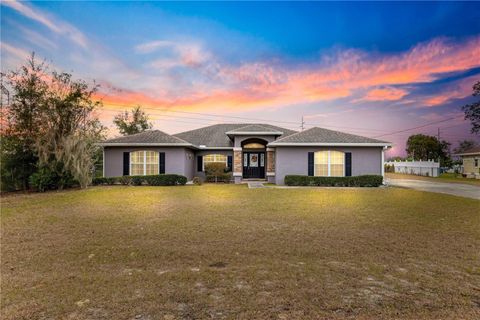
x: 251, y: 151
x: 471, y: 162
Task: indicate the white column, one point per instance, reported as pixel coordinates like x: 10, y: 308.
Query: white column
x: 103, y: 165
x: 383, y: 162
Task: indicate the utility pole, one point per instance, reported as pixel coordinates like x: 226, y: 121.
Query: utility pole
x: 302, y: 126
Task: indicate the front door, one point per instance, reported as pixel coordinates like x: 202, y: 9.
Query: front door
x: 254, y: 165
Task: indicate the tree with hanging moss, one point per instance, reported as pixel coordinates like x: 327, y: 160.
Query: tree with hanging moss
x: 23, y: 98
x: 51, y: 127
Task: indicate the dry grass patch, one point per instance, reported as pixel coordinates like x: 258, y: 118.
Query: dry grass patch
x: 229, y: 252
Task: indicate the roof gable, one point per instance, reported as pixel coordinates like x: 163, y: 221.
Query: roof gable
x: 471, y: 151
x: 255, y: 129
x: 216, y: 135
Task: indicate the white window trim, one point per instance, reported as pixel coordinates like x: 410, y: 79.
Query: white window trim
x: 213, y: 154
x: 328, y: 164
x: 144, y: 162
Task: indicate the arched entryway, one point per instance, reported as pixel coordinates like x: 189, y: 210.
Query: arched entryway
x: 254, y: 158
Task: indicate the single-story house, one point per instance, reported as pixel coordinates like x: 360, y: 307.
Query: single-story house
x: 471, y: 162
x: 250, y: 151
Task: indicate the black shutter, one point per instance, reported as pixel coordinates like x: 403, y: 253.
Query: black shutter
x: 310, y: 163
x: 161, y: 168
x: 229, y: 163
x: 348, y: 164
x: 199, y: 163
x: 126, y: 163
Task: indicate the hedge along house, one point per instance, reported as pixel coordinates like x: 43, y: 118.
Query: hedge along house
x: 250, y: 151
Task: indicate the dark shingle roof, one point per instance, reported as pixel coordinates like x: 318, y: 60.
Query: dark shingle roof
x: 473, y: 150
x: 254, y: 128
x: 149, y: 136
x: 215, y: 135
x: 321, y: 135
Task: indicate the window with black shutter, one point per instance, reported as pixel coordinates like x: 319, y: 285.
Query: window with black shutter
x: 126, y: 163
x: 161, y: 163
x: 199, y: 163
x: 230, y: 163
x: 310, y: 163
x: 348, y: 164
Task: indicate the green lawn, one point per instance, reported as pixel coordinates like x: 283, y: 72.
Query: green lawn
x: 229, y: 252
x: 444, y: 177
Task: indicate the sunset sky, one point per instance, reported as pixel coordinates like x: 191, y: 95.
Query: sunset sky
x: 372, y: 69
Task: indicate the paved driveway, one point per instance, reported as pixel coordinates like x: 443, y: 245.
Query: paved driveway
x: 456, y: 189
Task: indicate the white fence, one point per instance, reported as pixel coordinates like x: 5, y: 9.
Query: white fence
x: 428, y: 168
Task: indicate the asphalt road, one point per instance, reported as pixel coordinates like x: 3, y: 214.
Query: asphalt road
x: 456, y: 189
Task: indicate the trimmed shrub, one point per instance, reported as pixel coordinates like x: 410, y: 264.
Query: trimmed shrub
x: 357, y: 181
x: 225, y: 177
x: 125, y: 180
x: 104, y: 181
x: 136, y: 180
x: 217, y: 172
x: 153, y: 180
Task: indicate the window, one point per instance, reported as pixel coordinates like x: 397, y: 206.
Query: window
x: 144, y: 163
x: 337, y: 164
x: 476, y: 162
x: 209, y: 158
x: 253, y: 145
x: 329, y: 164
x: 321, y: 163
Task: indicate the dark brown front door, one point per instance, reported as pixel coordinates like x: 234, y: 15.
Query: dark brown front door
x: 254, y: 165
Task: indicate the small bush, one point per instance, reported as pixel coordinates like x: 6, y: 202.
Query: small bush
x: 357, y: 181
x: 389, y: 168
x: 197, y: 181
x: 43, y: 180
x: 225, y: 177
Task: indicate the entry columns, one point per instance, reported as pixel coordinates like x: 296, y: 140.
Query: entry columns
x: 270, y: 165
x: 237, y: 164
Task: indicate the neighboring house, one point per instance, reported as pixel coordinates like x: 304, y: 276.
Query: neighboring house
x: 250, y: 151
x: 471, y: 162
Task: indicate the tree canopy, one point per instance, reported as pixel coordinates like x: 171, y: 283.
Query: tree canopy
x: 424, y: 147
x: 50, y: 127
x: 472, y: 111
x: 131, y: 122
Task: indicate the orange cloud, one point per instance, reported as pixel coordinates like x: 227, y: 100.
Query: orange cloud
x: 384, y: 94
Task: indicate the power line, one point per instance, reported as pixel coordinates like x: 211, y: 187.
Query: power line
x: 418, y: 127
x: 247, y: 118
x: 370, y: 130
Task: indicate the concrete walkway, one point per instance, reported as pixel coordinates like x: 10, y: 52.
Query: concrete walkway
x: 255, y: 185
x: 456, y: 189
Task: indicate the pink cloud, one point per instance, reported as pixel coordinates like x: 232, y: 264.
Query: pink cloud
x: 458, y: 90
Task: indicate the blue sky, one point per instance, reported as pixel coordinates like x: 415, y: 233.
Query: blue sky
x: 365, y: 68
